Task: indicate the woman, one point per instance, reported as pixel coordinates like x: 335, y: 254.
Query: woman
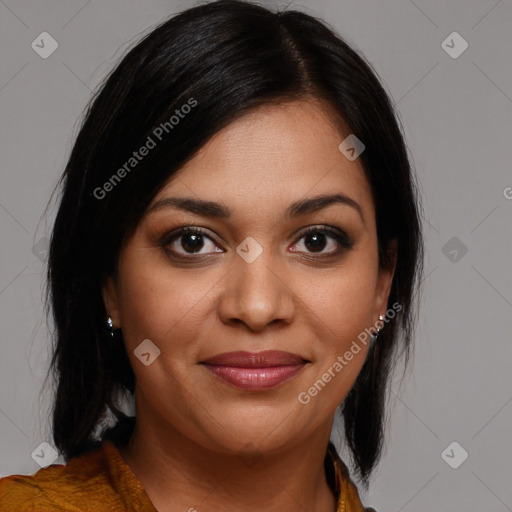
x: 237, y: 248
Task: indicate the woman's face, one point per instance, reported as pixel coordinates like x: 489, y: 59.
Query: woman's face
x: 247, y: 279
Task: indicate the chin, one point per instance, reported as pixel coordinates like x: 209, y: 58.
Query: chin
x: 246, y: 428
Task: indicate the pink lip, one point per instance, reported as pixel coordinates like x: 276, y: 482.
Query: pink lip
x: 255, y: 371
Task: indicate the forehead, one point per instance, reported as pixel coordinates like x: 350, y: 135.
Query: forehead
x: 273, y: 155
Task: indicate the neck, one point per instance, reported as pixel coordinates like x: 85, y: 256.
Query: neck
x: 179, y: 474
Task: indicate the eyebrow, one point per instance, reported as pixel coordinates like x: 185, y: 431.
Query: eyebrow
x: 220, y: 211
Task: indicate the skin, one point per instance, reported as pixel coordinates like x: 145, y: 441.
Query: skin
x: 200, y: 442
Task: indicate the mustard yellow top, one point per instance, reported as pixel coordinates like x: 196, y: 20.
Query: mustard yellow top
x: 100, y: 480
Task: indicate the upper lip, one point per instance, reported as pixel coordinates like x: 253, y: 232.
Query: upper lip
x: 264, y: 359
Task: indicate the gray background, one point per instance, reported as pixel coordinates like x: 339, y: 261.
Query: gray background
x: 457, y: 120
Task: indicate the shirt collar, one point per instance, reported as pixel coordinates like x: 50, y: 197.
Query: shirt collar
x: 338, y: 478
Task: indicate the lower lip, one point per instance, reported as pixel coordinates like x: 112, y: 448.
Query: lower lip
x: 255, y: 379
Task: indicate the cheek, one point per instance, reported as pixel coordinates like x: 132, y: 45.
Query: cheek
x: 343, y: 301
x: 354, y: 300
x: 158, y: 303
x: 342, y: 309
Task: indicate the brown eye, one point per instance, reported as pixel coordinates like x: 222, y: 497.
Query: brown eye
x: 323, y: 241
x: 315, y: 242
x: 192, y: 242
x: 189, y: 241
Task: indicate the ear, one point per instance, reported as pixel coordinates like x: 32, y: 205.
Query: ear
x: 110, y: 300
x: 384, y: 281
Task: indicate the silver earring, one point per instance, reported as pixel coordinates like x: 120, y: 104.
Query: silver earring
x: 110, y: 326
x: 376, y: 333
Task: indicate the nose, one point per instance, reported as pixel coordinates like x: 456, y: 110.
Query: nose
x: 257, y: 294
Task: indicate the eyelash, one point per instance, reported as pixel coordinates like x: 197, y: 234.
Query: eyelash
x: 344, y: 241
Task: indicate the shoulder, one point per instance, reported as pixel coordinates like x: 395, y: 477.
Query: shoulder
x: 81, y: 484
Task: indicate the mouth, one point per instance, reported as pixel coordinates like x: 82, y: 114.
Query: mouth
x: 255, y: 371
